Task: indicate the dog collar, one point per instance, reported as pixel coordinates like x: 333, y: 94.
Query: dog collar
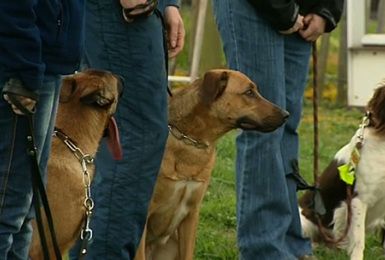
x: 347, y: 171
x: 186, y: 139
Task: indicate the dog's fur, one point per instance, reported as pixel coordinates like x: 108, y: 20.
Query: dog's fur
x: 88, y: 100
x: 368, y: 203
x: 204, y: 111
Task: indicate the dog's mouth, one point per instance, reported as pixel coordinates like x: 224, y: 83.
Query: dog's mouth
x: 268, y: 124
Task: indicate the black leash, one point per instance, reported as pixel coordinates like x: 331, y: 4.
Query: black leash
x: 84, y: 159
x: 39, y: 193
x: 164, y: 29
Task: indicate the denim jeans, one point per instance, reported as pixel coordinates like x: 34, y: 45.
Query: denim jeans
x: 268, y: 224
x: 15, y: 168
x: 122, y: 189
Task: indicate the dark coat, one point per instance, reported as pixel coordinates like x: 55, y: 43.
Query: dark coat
x: 283, y: 13
x: 40, y: 37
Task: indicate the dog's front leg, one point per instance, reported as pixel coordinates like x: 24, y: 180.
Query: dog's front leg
x: 356, y: 234
x: 187, y: 234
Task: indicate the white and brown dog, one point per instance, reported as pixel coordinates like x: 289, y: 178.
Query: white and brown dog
x: 368, y: 200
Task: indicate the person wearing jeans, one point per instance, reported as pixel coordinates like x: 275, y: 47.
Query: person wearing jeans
x: 134, y: 49
x: 40, y: 40
x: 16, y: 187
x: 270, y: 41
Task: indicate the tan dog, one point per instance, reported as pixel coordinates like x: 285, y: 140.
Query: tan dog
x: 87, y: 101
x: 198, y: 116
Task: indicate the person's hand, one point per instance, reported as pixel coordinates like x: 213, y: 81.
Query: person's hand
x: 135, y: 8
x: 26, y: 102
x: 175, y: 30
x: 298, y: 25
x: 128, y: 4
x: 314, y: 27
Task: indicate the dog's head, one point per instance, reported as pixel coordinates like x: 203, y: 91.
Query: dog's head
x: 376, y: 107
x: 240, y: 103
x: 88, y: 100
x: 94, y: 88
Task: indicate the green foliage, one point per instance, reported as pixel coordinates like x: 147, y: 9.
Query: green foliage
x: 217, y: 228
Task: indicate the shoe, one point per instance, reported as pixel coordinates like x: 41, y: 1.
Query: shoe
x: 307, y: 257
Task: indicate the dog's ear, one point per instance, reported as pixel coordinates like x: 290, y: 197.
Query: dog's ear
x: 213, y: 85
x: 68, y: 88
x: 98, y: 98
x: 376, y: 107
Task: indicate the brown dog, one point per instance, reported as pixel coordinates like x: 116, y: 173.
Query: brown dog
x: 198, y: 116
x: 87, y: 101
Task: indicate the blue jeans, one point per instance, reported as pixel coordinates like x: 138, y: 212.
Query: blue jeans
x: 268, y: 222
x: 15, y: 168
x: 122, y: 189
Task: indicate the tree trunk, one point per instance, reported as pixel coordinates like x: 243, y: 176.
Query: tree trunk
x: 342, y: 62
x: 381, y: 17
x: 211, y: 55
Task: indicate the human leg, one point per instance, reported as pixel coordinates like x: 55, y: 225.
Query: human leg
x: 264, y: 214
x: 15, y: 184
x: 297, y: 54
x: 15, y: 178
x: 46, y: 116
x: 122, y: 189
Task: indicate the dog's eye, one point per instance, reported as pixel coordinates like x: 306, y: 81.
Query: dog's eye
x: 250, y: 93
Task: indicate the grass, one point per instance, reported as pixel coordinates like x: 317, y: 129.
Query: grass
x: 217, y: 228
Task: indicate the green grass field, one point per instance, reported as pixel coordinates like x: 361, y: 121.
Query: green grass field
x: 217, y: 229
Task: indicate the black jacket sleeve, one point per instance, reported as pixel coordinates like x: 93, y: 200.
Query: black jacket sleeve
x: 20, y: 44
x: 282, y: 14
x: 331, y: 10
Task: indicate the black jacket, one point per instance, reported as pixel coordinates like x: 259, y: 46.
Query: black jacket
x: 40, y: 37
x: 283, y: 13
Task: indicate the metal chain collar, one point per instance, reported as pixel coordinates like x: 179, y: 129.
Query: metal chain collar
x: 186, y: 139
x: 84, y: 159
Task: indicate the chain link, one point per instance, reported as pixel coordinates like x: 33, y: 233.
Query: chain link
x: 85, y: 160
x: 186, y: 139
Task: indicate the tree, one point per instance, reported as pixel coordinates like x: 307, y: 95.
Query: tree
x: 342, y: 61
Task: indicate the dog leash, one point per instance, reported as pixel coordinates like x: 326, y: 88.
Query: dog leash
x: 84, y: 159
x: 318, y: 204
x: 164, y: 32
x: 346, y: 171
x: 39, y: 192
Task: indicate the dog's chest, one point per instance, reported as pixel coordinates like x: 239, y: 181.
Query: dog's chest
x: 183, y: 198
x: 186, y: 195
x: 370, y: 176
x: 371, y: 172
